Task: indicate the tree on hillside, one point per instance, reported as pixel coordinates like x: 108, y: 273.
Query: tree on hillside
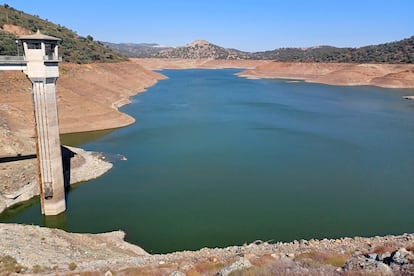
x: 8, y: 44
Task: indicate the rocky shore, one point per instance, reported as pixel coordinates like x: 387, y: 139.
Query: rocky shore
x: 59, y: 252
x: 18, y: 175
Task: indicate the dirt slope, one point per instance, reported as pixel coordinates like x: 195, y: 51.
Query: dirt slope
x: 163, y: 63
x: 383, y: 75
x: 88, y: 96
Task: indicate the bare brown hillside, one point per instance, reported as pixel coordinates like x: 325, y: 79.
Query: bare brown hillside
x: 383, y: 75
x: 88, y: 96
x: 179, y: 63
x: 17, y: 30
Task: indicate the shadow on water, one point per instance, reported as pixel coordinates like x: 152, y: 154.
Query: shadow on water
x: 67, y: 155
x: 32, y: 205
x: 18, y: 209
x: 58, y: 221
x: 80, y: 138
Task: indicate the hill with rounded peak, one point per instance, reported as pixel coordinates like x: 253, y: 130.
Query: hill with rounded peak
x: 202, y: 49
x: 74, y: 48
x: 198, y: 42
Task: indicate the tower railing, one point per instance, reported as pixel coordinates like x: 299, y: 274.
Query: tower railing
x: 12, y: 58
x: 52, y: 58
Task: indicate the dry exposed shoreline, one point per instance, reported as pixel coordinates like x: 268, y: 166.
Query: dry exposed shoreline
x: 381, y: 75
x: 88, y: 99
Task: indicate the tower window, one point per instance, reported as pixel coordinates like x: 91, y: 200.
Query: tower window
x: 34, y: 45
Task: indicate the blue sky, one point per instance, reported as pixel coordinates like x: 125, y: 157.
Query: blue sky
x: 250, y: 25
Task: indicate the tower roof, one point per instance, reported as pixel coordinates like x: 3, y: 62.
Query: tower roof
x: 39, y: 36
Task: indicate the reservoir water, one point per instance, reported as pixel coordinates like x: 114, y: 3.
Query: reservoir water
x: 216, y: 160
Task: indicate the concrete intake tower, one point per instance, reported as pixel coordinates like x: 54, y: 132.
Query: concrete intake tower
x: 42, y: 68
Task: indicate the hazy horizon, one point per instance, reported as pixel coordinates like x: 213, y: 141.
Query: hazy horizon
x: 156, y: 45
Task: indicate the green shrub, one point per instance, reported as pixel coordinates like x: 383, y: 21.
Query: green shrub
x: 72, y: 266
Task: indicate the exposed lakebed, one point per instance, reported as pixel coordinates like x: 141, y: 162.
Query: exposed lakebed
x: 216, y: 160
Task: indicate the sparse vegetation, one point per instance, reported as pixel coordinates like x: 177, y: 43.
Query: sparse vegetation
x: 328, y: 258
x: 201, y: 50
x: 205, y: 268
x: 9, y: 265
x: 394, y: 52
x: 39, y: 269
x: 72, y: 266
x: 253, y: 271
x: 8, y: 46
x: 74, y: 48
x: 384, y: 248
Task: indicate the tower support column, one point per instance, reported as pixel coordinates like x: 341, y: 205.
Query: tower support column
x: 52, y: 189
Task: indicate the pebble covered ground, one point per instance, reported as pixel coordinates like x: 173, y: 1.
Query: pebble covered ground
x: 33, y: 249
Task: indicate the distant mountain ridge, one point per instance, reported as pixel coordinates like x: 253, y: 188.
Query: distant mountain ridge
x: 393, y: 52
x: 136, y: 49
x: 401, y: 51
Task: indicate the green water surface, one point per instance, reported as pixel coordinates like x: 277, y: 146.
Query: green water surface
x: 216, y: 160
